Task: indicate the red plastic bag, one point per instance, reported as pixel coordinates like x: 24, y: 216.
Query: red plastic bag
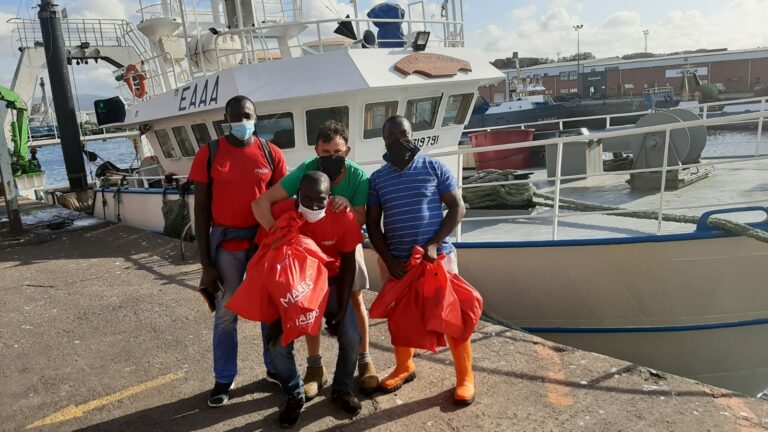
x: 471, y: 304
x: 394, y: 289
x: 442, y: 312
x: 427, y: 304
x: 285, y: 279
x: 402, y: 303
x: 252, y: 300
x: 302, y: 293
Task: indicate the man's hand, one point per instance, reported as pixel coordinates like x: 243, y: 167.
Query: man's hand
x: 339, y: 203
x: 211, y: 279
x: 396, y: 268
x: 430, y: 252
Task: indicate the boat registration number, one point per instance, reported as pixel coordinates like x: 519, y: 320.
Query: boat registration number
x: 426, y: 141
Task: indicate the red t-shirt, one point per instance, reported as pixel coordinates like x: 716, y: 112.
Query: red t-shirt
x: 336, y: 233
x: 239, y: 176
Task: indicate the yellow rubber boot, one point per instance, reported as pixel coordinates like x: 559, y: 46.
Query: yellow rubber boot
x: 464, y: 394
x: 405, y: 371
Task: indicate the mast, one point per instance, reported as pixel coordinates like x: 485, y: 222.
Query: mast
x: 63, y: 104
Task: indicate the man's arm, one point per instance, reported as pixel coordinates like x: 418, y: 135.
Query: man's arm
x: 450, y: 222
x: 346, y: 280
x: 376, y: 236
x: 359, y: 213
x: 211, y: 276
x: 262, y: 205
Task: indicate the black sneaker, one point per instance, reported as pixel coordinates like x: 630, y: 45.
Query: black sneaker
x: 289, y: 416
x: 347, y: 401
x: 272, y: 377
x: 219, y: 394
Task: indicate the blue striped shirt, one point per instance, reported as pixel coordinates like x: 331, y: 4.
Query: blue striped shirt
x: 410, y: 202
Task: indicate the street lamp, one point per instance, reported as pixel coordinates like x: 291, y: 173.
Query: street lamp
x: 645, y: 34
x: 578, y: 57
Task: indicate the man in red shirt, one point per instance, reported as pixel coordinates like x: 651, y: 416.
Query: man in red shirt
x: 337, y: 233
x: 241, y: 169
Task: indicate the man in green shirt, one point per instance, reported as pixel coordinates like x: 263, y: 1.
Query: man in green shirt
x: 349, y: 192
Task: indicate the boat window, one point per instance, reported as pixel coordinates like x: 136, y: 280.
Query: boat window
x: 277, y: 128
x: 183, y: 140
x: 456, y: 109
x: 164, y: 139
x: 221, y: 127
x: 375, y: 114
x: 316, y: 118
x: 201, y: 133
x: 422, y: 112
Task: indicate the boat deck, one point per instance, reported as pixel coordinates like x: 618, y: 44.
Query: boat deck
x: 739, y: 181
x: 102, y: 330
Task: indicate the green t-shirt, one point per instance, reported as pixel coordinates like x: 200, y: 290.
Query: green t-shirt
x: 353, y: 186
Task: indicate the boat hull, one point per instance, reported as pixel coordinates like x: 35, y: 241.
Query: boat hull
x: 694, y: 305
x: 140, y: 208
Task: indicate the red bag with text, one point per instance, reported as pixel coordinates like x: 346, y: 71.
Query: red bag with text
x: 285, y: 279
x: 302, y: 293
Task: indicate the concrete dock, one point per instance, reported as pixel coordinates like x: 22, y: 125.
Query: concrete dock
x: 101, y: 329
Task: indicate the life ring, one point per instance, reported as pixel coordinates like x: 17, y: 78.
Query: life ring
x: 135, y: 80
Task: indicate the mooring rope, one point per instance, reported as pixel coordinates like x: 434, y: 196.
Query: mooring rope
x: 525, y: 195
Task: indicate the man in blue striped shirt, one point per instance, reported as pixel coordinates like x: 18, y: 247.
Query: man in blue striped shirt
x: 409, y: 193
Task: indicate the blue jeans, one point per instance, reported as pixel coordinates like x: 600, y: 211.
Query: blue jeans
x: 346, y: 362
x: 231, y: 266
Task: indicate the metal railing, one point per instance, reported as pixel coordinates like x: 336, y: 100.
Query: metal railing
x: 703, y: 110
x: 259, y: 44
x: 559, y: 178
x: 154, y: 78
x: 97, y: 32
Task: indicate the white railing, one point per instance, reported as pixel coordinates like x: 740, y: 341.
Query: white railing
x: 96, y: 32
x: 260, y: 35
x: 558, y: 178
x: 154, y: 79
x: 703, y: 110
x: 157, y: 10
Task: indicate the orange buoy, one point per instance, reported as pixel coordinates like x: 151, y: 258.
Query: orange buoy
x: 135, y: 80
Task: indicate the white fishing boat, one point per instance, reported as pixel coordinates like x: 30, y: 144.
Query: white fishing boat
x: 679, y: 297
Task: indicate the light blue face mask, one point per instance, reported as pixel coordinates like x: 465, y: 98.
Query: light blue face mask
x: 243, y: 129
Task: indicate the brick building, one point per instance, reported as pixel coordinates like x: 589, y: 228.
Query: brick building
x: 741, y: 71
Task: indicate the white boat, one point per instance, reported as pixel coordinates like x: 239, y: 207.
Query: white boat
x: 672, y: 296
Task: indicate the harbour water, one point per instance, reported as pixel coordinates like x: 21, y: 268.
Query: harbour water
x: 120, y: 152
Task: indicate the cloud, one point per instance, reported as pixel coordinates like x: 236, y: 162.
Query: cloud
x: 676, y: 29
x: 622, y: 19
x: 7, y: 55
x: 522, y: 13
x: 112, y: 9
x: 558, y: 19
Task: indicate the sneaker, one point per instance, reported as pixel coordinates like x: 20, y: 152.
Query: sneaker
x: 289, y: 415
x: 272, y: 377
x: 220, y: 394
x: 314, y: 380
x: 347, y: 401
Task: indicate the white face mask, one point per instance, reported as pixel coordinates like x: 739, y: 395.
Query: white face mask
x: 311, y: 216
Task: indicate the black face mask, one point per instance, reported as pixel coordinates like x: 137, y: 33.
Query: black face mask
x: 332, y: 166
x: 401, y: 153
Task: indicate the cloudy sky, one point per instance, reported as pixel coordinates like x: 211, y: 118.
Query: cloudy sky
x: 540, y: 28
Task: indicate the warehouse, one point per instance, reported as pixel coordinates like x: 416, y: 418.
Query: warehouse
x: 735, y: 73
